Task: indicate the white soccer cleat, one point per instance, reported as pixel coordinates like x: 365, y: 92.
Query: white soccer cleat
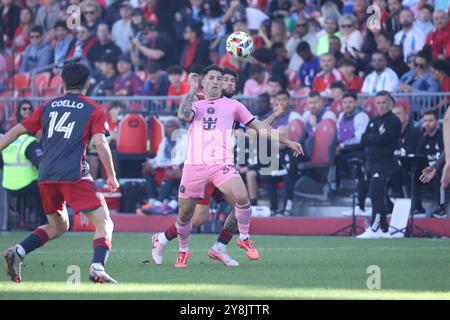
x: 157, y: 249
x: 358, y: 212
x: 370, y: 234
x: 222, y: 256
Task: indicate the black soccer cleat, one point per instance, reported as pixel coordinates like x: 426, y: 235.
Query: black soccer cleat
x: 100, y: 276
x: 13, y: 264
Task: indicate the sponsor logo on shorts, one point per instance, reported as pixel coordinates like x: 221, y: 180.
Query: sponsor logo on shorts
x: 182, y: 189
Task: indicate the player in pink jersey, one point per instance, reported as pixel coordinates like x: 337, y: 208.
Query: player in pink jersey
x: 210, y: 157
x: 218, y: 251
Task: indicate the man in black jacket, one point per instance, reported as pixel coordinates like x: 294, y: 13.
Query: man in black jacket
x: 379, y: 141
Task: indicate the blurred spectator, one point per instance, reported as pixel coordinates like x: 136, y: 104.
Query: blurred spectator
x: 310, y: 66
x: 171, y: 155
x: 359, y: 10
x: 440, y: 71
x: 393, y: 22
x: 113, y: 12
x: 284, y: 119
x: 3, y: 72
x: 257, y: 83
x: 177, y: 87
x: 183, y: 18
x: 47, y: 16
x: 314, y: 114
x: 157, y: 83
x: 301, y: 33
x: 440, y: 37
x: 396, y: 61
x: 92, y: 15
x: 335, y: 48
x: 351, y: 37
x: 278, y: 32
x: 382, y: 78
x: 153, y: 47
x: 113, y: 117
x: 410, y: 39
x: 196, y: 49
x: 9, y: 21
x: 148, y: 7
x: 351, y: 125
x: 273, y: 88
x: 38, y: 53
x: 330, y: 29
x: 211, y: 14
x: 138, y: 22
x: 347, y: 68
x: 127, y: 83
x: 105, y: 85
x: 34, y: 5
x: 103, y: 45
x: 122, y: 32
x: 327, y: 76
x: 64, y: 41
x: 279, y: 9
x: 336, y: 91
x: 22, y: 34
x: 424, y: 21
x: 280, y: 64
x: 419, y: 79
x: 83, y: 45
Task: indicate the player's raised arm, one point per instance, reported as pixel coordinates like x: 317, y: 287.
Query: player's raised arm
x: 11, y: 136
x: 265, y: 130
x: 185, y: 112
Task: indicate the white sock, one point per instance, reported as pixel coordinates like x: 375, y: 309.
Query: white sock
x: 97, y: 266
x: 184, y: 249
x: 20, y: 251
x: 243, y: 236
x: 219, y: 246
x: 162, y: 239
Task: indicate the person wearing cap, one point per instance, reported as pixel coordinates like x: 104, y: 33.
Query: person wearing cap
x: 330, y: 28
x: 103, y: 45
x: 152, y: 47
x: 122, y: 32
x: 105, y: 84
x: 127, y: 83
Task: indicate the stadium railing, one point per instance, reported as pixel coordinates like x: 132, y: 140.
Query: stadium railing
x: 163, y: 105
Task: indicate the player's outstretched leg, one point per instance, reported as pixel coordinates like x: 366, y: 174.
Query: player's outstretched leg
x: 184, y: 228
x: 219, y: 250
x: 235, y: 190
x: 102, y: 244
x: 57, y: 225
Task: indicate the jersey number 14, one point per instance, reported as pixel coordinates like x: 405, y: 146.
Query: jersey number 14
x: 60, y: 127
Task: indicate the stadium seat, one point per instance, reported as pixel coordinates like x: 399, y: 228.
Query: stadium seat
x: 314, y: 180
x: 132, y: 137
x: 403, y: 102
x: 21, y: 81
x: 141, y: 75
x: 56, y: 83
x: 296, y: 129
x: 41, y: 82
x: 369, y: 107
x: 336, y: 107
x: 156, y: 134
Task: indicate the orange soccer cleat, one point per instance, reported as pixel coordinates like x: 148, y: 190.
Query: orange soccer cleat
x: 182, y: 259
x: 250, y: 250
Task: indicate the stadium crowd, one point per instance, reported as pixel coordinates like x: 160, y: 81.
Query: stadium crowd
x: 322, y: 49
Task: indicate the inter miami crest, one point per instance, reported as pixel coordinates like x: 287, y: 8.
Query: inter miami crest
x: 210, y: 110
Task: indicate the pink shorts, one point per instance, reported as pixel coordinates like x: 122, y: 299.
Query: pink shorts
x: 196, y: 177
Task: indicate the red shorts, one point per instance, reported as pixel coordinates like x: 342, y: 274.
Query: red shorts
x: 80, y: 196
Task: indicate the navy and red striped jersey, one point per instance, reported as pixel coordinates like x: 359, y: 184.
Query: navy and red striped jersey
x: 68, y: 124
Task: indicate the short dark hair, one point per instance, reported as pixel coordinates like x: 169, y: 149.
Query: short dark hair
x: 303, y: 47
x: 213, y: 67
x: 230, y: 72
x: 196, y: 27
x: 264, y: 95
x: 384, y: 93
x: 61, y: 24
x: 75, y: 75
x: 427, y: 6
x: 255, y: 68
x: 350, y: 94
x: 276, y: 45
x: 117, y: 104
x: 386, y: 35
x: 107, y: 58
x: 37, y: 29
x: 347, y: 61
x: 274, y: 79
x: 174, y: 69
x: 441, y: 66
x: 196, y: 68
x: 338, y: 85
x: 153, y: 67
x: 313, y: 94
x: 104, y: 23
x: 284, y: 92
x: 431, y: 112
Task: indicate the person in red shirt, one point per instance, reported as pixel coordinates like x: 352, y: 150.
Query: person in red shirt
x: 22, y: 34
x: 440, y: 71
x: 328, y: 75
x: 439, y: 39
x: 149, y: 10
x: 177, y: 87
x: 347, y: 68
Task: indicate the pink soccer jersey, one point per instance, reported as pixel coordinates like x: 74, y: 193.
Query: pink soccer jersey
x: 210, y: 132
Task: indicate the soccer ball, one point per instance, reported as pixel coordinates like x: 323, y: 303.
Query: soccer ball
x: 239, y: 45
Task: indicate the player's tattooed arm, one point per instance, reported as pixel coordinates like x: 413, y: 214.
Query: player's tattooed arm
x: 185, y: 112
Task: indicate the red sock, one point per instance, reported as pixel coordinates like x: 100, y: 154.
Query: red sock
x: 171, y: 232
x: 225, y: 236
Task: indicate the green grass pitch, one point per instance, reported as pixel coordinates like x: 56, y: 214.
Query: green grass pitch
x: 290, y: 267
